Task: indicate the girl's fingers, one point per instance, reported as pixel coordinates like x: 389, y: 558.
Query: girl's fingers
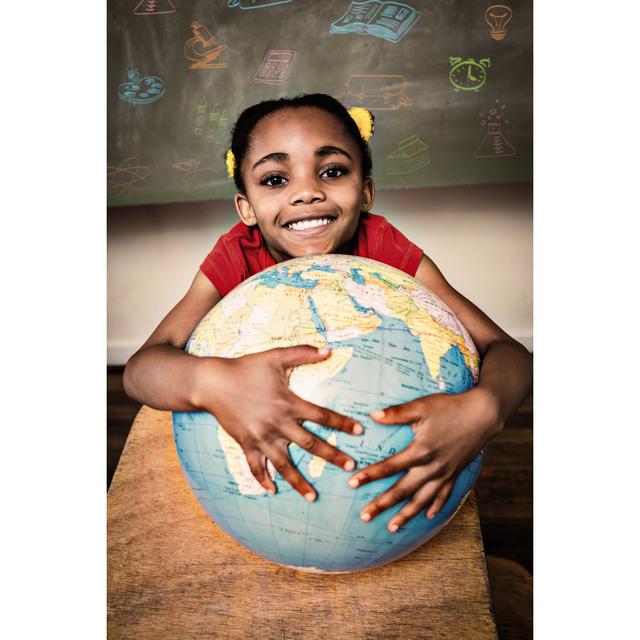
x: 418, y: 502
x: 401, y: 413
x: 258, y: 465
x: 320, y: 415
x: 289, y: 357
x: 440, y: 499
x: 281, y: 461
x: 393, y: 464
x: 318, y: 447
x: 406, y: 487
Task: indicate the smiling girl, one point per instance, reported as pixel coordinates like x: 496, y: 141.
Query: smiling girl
x: 302, y: 168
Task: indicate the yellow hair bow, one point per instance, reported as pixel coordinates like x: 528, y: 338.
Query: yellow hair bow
x: 364, y: 120
x: 231, y: 163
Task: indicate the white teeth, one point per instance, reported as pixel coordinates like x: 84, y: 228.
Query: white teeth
x: 307, y: 224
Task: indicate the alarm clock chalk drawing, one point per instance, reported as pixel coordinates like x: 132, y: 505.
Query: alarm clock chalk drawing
x: 468, y: 75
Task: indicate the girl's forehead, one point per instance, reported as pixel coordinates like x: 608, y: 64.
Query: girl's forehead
x: 308, y: 124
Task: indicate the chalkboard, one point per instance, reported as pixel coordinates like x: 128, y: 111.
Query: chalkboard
x: 448, y: 81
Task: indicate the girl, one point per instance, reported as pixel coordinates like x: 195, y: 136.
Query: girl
x: 302, y: 168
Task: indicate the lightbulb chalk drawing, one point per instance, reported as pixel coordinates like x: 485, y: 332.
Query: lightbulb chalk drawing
x: 139, y: 90
x: 498, y: 16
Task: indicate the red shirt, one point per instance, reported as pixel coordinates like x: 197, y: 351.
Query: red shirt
x: 242, y: 252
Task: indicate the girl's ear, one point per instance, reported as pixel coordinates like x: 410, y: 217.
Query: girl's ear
x: 368, y: 194
x: 244, y: 209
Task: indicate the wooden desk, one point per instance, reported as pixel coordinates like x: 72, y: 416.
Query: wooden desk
x: 173, y: 573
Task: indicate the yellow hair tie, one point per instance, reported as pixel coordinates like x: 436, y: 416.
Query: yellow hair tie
x: 231, y: 163
x: 364, y: 120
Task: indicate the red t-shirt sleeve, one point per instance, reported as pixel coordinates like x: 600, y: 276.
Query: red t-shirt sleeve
x: 221, y: 268
x: 381, y: 241
x: 238, y: 254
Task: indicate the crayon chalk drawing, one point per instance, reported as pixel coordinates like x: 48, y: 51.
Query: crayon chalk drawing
x: 196, y: 180
x: 217, y: 126
x: 202, y: 50
x: 498, y: 16
x: 387, y: 20
x: 411, y: 154
x: 255, y: 4
x: 469, y: 74
x: 276, y: 67
x: 375, y: 92
x: 494, y: 144
x: 139, y: 90
x: 154, y: 7
x: 191, y: 164
x: 199, y: 120
x: 214, y: 125
x: 128, y: 175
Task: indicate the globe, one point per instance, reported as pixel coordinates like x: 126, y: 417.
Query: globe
x: 391, y: 340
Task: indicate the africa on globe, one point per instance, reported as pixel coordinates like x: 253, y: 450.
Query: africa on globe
x: 392, y: 341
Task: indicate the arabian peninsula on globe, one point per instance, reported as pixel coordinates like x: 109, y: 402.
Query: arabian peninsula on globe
x: 392, y: 341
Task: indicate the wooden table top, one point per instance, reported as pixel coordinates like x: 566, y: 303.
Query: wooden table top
x: 173, y: 573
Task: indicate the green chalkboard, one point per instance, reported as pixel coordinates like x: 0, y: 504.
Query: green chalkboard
x: 448, y: 81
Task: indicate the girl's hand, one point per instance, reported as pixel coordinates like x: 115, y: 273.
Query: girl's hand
x: 449, y: 431
x: 251, y: 399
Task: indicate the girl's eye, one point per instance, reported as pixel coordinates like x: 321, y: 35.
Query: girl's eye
x: 335, y: 172
x: 272, y: 181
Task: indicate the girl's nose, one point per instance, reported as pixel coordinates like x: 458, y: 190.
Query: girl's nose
x: 307, y: 191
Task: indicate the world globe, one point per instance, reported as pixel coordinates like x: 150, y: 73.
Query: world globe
x: 392, y: 341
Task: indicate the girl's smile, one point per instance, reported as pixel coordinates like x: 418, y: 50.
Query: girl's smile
x: 304, y: 184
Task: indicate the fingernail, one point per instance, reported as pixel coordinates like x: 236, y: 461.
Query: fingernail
x: 377, y: 414
x: 431, y: 516
x: 309, y: 497
x: 357, y: 429
x: 353, y: 482
x: 271, y: 492
x: 349, y: 465
x: 324, y: 351
x: 365, y: 516
x: 393, y: 526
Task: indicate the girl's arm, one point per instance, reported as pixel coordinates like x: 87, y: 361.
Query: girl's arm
x: 449, y: 430
x: 249, y: 395
x: 161, y: 374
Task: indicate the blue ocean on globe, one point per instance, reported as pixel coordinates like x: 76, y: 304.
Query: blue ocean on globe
x: 392, y: 341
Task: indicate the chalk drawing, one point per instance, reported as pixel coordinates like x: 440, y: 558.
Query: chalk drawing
x: 411, y: 154
x: 128, y: 175
x: 202, y: 50
x: 498, y: 16
x: 276, y: 67
x: 494, y: 144
x: 139, y: 90
x: 375, y: 92
x: 255, y: 4
x: 387, y: 20
x: 468, y: 75
x: 154, y: 7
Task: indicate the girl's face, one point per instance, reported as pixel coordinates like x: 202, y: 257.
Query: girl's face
x: 304, y: 184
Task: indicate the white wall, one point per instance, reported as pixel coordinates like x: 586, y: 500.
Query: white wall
x: 480, y: 236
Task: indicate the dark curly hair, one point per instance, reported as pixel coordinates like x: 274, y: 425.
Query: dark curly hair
x: 249, y: 118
